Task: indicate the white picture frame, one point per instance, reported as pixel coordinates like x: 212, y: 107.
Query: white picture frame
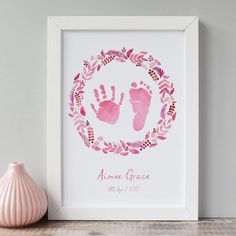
x: 56, y: 26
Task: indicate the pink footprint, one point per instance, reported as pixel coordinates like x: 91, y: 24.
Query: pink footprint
x: 140, y: 98
x: 108, y: 110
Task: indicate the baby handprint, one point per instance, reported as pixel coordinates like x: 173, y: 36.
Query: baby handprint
x: 108, y: 110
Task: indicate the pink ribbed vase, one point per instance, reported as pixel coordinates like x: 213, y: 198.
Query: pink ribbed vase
x: 22, y: 201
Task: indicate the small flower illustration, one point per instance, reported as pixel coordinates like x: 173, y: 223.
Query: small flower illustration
x: 86, y: 63
x: 123, y: 50
x: 150, y: 58
x: 81, y: 84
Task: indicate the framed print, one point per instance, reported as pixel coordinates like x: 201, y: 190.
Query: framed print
x: 122, y: 118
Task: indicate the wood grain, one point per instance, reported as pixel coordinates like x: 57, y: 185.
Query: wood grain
x: 222, y: 227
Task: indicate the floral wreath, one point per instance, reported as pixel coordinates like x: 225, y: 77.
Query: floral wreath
x: 154, y: 71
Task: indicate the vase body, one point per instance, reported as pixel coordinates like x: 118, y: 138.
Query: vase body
x: 22, y: 201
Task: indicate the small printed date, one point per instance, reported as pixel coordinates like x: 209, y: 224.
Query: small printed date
x: 122, y: 189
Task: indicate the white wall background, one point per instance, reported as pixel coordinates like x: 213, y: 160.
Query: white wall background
x: 23, y: 85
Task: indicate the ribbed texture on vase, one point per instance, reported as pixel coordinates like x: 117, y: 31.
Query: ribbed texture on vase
x: 22, y: 201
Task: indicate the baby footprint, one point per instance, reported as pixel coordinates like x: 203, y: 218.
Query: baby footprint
x: 140, y: 98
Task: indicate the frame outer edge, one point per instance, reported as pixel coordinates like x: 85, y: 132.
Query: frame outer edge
x: 192, y: 119
x: 54, y: 151
x: 53, y: 117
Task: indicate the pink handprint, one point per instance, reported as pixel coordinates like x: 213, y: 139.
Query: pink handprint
x: 108, y: 110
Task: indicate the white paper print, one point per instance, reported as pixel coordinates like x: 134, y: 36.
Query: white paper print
x: 123, y: 118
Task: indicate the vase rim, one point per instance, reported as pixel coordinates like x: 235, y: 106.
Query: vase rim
x: 16, y: 163
x: 16, y: 167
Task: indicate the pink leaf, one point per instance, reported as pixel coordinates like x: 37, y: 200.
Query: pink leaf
x: 116, y: 53
x: 104, y: 150
x: 94, y: 63
x: 153, y: 144
x: 100, y: 57
x: 70, y: 115
x: 124, y: 153
x: 83, y: 76
x: 98, y: 68
x: 123, y: 143
x: 77, y: 122
x: 174, y: 116
x: 118, y: 150
x: 147, y: 135
x: 82, y: 111
x: 159, y: 71
x: 172, y: 90
x: 132, y: 58
x: 157, y: 62
x: 139, y: 57
x: 96, y: 148
x: 163, y: 81
x: 79, y: 127
x: 134, y: 151
x: 135, y: 144
x: 77, y: 76
x: 129, y: 52
x: 143, y: 52
x: 161, y: 137
x: 113, y: 148
x: 119, y: 59
x: 102, y: 53
x: 106, y: 144
x: 72, y: 94
x: 163, y: 110
x: 86, y: 141
x: 160, y: 121
x: 90, y: 73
